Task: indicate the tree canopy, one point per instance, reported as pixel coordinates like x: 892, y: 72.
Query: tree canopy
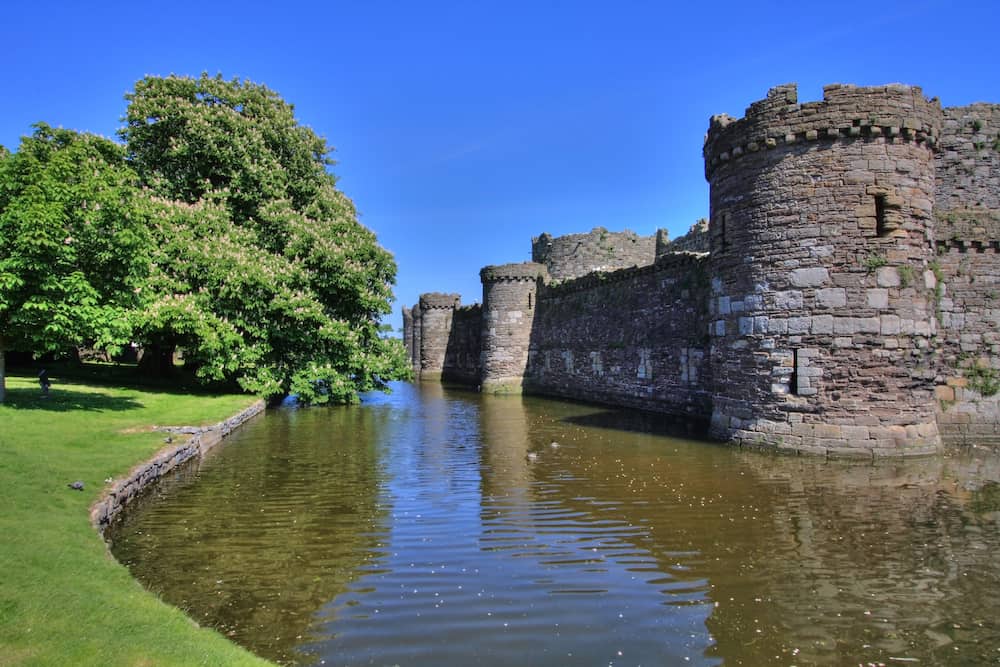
x: 73, y: 243
x: 245, y: 254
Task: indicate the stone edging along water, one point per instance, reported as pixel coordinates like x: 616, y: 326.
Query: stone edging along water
x: 201, y: 439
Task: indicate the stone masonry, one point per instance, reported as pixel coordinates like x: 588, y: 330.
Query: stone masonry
x: 815, y: 208
x: 436, y: 313
x: 843, y: 298
x: 196, y: 441
x: 575, y: 255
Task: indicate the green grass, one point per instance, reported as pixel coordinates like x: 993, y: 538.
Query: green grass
x: 63, y: 599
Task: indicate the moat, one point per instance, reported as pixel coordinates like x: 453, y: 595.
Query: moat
x: 437, y: 526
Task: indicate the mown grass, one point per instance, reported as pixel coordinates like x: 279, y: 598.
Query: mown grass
x: 63, y: 599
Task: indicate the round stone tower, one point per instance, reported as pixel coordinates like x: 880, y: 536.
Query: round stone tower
x: 415, y: 347
x: 436, y: 312
x: 509, y: 300
x: 823, y: 300
x: 408, y: 333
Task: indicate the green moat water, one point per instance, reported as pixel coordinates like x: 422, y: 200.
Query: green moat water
x: 440, y: 527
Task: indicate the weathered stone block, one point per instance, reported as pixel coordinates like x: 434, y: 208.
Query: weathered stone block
x: 831, y: 297
x: 788, y: 300
x: 845, y: 325
x: 855, y: 433
x: 887, y: 276
x: 889, y: 325
x: 877, y: 297
x: 810, y: 277
x: 869, y: 324
x: 821, y: 324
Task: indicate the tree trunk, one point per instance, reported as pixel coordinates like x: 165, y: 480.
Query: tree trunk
x: 157, y: 360
x: 3, y: 372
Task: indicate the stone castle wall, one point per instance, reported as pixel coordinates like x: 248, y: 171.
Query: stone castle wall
x: 842, y: 298
x: 968, y: 305
x: 968, y: 159
x: 695, y: 240
x: 967, y: 300
x: 575, y: 255
x: 631, y: 337
x: 463, y: 349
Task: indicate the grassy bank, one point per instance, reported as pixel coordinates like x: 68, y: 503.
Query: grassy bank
x: 63, y: 599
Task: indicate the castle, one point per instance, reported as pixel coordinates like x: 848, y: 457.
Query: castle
x: 843, y: 299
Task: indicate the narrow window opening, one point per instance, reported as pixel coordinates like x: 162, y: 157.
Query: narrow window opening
x: 880, y: 227
x: 530, y: 298
x: 793, y: 382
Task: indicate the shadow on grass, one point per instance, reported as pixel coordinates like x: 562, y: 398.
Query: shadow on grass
x: 121, y: 375
x: 62, y: 399
x: 637, y: 421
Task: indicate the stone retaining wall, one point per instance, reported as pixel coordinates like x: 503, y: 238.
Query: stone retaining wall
x: 200, y: 440
x: 461, y: 358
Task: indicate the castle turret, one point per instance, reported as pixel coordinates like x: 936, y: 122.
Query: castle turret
x: 576, y: 255
x: 509, y: 300
x: 408, y: 333
x: 821, y: 250
x: 436, y: 312
x: 415, y: 349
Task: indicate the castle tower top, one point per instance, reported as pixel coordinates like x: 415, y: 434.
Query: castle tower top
x: 524, y: 271
x: 575, y: 255
x: 894, y: 111
x: 439, y: 300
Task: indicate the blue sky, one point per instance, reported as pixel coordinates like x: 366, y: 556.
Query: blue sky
x: 462, y: 129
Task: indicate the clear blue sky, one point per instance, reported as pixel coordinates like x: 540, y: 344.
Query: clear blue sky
x: 462, y: 129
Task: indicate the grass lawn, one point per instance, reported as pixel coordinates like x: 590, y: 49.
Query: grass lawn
x: 63, y: 599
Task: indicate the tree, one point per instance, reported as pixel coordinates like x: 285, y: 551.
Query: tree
x: 262, y: 273
x: 74, y: 247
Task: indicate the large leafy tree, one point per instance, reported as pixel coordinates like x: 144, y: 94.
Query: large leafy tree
x: 262, y: 272
x: 74, y: 245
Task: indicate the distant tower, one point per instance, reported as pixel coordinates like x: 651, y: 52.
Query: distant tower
x: 415, y: 350
x: 436, y: 312
x: 822, y: 298
x: 509, y: 300
x: 408, y: 333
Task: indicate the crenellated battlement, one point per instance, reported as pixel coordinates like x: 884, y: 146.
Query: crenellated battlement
x: 524, y: 271
x: 439, y: 300
x: 895, y: 112
x: 575, y: 255
x: 669, y: 262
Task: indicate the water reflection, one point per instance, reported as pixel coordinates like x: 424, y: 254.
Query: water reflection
x: 437, y: 526
x: 258, y: 536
